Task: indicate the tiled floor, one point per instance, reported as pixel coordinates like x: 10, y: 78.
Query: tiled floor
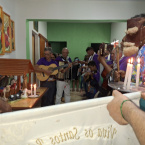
x: 76, y: 96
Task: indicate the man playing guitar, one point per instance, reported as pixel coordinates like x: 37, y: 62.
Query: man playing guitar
x: 50, y: 83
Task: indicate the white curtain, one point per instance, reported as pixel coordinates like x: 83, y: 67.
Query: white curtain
x: 78, y: 123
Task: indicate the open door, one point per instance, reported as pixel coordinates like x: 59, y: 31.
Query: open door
x: 43, y: 43
x: 57, y: 46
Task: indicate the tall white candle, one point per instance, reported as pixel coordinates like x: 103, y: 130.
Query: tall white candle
x: 35, y: 90
x: 31, y: 89
x: 138, y: 72
x: 130, y: 74
x: 127, y: 73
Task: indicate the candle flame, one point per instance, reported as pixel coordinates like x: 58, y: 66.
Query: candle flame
x: 138, y: 60
x: 131, y: 60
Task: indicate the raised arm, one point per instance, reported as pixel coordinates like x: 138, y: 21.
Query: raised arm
x: 132, y: 114
x: 103, y: 62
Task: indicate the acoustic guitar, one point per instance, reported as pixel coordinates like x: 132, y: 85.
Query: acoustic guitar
x: 53, y: 67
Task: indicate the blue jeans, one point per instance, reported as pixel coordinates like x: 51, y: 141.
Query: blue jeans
x: 82, y: 82
x: 92, y: 93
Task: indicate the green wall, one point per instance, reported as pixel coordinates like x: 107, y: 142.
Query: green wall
x: 78, y: 35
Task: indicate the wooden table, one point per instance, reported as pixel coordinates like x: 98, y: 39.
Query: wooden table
x: 28, y: 103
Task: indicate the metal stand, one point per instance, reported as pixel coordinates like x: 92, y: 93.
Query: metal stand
x: 120, y: 87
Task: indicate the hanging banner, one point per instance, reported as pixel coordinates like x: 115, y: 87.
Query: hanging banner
x: 79, y: 123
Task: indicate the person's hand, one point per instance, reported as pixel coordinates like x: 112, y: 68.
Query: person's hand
x: 61, y: 70
x: 84, y: 67
x: 119, y: 73
x: 116, y: 75
x: 101, y: 59
x: 69, y: 65
x: 114, y: 107
x: 87, y: 74
x: 143, y: 95
x: 122, y: 73
x: 48, y: 72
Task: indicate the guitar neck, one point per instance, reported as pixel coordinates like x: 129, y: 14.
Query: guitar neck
x: 60, y: 67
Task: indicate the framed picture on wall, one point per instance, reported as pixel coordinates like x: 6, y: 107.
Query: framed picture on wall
x: 2, y: 41
x: 13, y: 34
x: 35, y: 25
x: 7, y: 33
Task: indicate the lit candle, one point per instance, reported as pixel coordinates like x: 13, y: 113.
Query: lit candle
x: 138, y: 72
x: 31, y: 89
x: 130, y: 74
x: 35, y: 90
x: 127, y: 73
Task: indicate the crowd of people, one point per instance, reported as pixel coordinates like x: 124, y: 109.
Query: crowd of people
x: 84, y: 76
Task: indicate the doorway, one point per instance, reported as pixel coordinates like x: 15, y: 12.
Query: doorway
x: 57, y: 46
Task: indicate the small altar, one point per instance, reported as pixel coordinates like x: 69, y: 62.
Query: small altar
x: 78, y: 123
x: 19, y: 68
x: 28, y: 103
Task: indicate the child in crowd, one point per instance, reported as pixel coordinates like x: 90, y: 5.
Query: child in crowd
x: 75, y: 74
x: 83, y: 70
